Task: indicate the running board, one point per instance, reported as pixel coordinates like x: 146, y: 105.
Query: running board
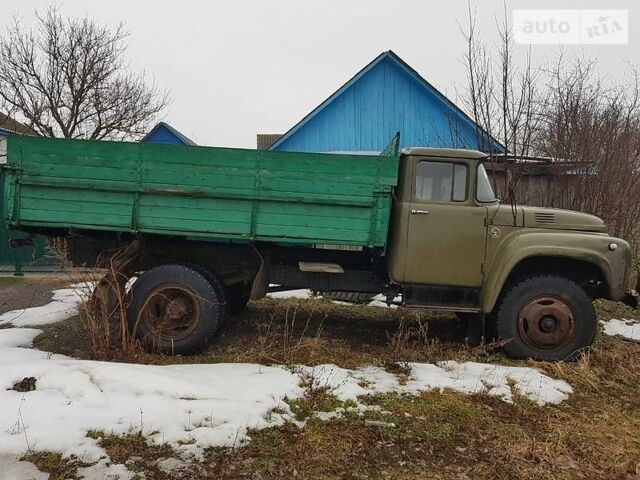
x: 436, y: 297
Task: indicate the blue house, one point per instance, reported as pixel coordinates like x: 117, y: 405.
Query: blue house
x: 9, y: 126
x: 385, y: 97
x: 165, y: 133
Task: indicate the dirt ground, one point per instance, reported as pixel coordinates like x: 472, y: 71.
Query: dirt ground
x: 28, y: 291
x: 595, y: 434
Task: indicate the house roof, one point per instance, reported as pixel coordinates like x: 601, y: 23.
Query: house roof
x: 264, y: 140
x: 163, y: 125
x: 390, y: 54
x: 10, y: 125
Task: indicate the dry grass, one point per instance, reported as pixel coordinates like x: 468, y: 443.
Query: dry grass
x: 121, y: 448
x: 103, y: 317
x: 311, y: 332
x: 287, y: 341
x: 58, y: 467
x: 441, y: 436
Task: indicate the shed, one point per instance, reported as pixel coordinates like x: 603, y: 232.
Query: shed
x: 385, y: 97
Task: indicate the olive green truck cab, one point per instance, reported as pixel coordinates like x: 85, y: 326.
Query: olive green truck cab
x: 206, y: 229
x: 532, y: 271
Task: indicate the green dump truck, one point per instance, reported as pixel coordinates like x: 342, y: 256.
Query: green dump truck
x: 205, y: 229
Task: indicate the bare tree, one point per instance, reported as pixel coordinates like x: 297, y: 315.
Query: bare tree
x: 587, y: 130
x: 68, y: 78
x: 501, y: 97
x: 592, y: 129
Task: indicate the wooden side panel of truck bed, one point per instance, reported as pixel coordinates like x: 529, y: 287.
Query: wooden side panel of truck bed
x: 217, y: 193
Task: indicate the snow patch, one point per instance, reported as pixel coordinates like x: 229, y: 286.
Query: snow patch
x: 627, y: 328
x: 467, y: 378
x: 348, y: 384
x: 105, y: 470
x: 380, y: 300
x: 64, y: 304
x: 213, y: 405
x: 11, y: 468
x: 494, y: 380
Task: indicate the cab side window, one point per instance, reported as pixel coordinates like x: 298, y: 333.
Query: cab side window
x: 441, y: 182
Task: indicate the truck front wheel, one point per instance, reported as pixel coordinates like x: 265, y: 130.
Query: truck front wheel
x: 176, y: 309
x: 546, y: 317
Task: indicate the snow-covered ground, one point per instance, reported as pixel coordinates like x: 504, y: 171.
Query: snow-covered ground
x: 626, y: 328
x: 467, y: 377
x: 190, y: 406
x: 64, y: 304
x: 213, y: 404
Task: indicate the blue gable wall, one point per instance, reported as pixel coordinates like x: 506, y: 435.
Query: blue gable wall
x: 385, y: 97
x: 165, y: 133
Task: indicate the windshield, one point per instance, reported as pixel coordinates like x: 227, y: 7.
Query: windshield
x: 484, y: 191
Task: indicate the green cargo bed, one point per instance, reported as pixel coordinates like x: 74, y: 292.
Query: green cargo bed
x: 216, y: 193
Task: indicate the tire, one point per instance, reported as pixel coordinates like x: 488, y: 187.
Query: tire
x: 213, y: 280
x: 351, y: 297
x: 176, y: 309
x: 545, y: 317
x: 238, y: 296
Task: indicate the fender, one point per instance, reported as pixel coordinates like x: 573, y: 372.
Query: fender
x: 518, y: 244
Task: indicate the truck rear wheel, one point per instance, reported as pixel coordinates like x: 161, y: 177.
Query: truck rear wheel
x: 546, y: 317
x: 176, y: 309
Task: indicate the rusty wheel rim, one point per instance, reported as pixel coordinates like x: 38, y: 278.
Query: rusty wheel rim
x: 546, y: 322
x: 171, y: 312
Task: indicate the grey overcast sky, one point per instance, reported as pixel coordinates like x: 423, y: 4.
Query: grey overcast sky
x: 238, y: 67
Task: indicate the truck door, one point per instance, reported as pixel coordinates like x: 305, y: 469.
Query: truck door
x: 446, y: 229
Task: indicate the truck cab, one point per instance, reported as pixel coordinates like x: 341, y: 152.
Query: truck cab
x: 532, y: 271
x: 438, y: 228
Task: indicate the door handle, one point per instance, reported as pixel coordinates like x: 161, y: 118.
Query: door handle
x: 415, y: 211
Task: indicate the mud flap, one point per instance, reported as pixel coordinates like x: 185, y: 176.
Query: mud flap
x: 260, y: 285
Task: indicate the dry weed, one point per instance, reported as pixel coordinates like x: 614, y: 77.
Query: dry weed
x: 103, y: 319
x: 287, y: 342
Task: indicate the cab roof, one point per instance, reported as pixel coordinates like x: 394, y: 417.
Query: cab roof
x: 444, y: 152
